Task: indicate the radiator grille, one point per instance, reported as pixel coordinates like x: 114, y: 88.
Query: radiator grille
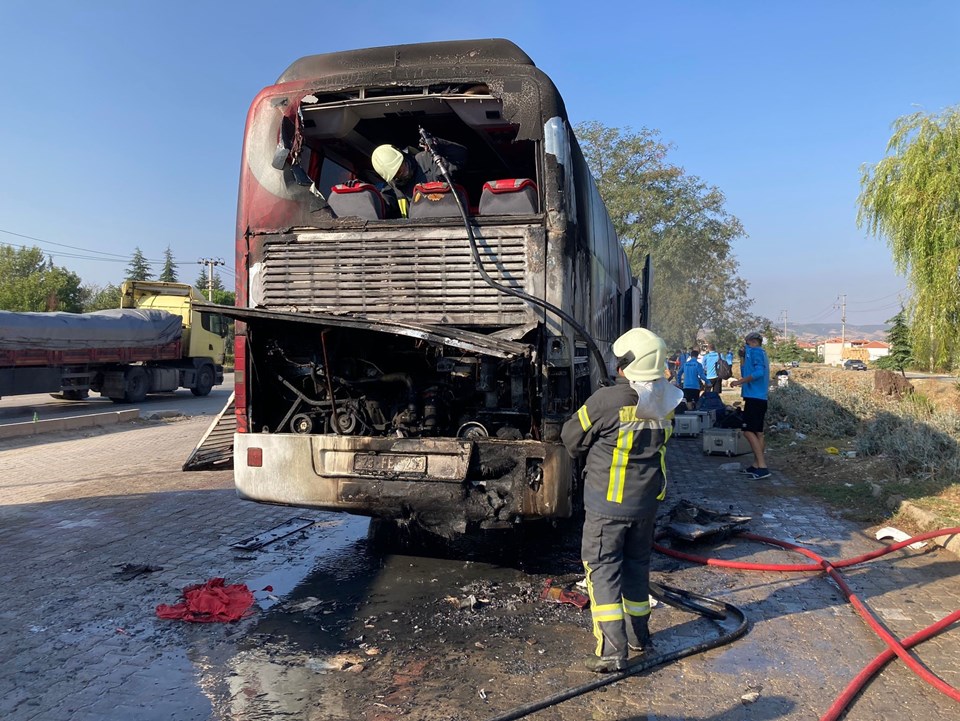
x: 416, y: 275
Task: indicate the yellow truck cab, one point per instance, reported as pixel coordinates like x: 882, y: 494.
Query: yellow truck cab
x: 203, y: 333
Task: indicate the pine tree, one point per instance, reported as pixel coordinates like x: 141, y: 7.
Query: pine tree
x: 169, y: 272
x: 901, y: 351
x: 139, y: 268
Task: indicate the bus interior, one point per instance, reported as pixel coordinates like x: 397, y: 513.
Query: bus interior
x: 339, y: 132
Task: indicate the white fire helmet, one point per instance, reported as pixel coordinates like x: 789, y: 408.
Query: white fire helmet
x: 642, y: 354
x: 386, y: 161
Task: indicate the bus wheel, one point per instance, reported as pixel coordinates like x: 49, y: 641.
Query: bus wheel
x: 204, y: 381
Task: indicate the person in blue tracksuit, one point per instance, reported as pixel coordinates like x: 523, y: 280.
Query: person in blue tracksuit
x: 754, y: 385
x: 690, y: 376
x: 710, y: 363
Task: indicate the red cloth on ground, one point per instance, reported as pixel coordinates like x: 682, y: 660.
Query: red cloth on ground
x: 210, y: 602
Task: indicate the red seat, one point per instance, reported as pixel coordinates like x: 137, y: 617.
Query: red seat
x: 360, y: 200
x: 512, y: 196
x: 434, y: 200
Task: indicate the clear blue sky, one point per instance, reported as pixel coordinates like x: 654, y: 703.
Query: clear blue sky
x: 121, y: 122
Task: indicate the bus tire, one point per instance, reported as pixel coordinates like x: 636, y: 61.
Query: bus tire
x: 204, y: 381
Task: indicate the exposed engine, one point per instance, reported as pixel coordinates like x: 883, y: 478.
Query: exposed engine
x: 364, y: 383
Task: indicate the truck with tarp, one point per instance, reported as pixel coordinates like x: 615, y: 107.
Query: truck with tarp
x: 156, y: 342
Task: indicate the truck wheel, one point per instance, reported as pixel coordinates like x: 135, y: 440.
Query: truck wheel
x: 204, y: 381
x: 137, y: 385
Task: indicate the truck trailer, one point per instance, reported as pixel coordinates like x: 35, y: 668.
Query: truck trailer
x: 156, y: 342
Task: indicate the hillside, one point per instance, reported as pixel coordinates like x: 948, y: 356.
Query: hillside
x: 820, y: 331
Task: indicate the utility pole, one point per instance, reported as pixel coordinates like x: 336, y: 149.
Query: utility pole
x: 783, y: 317
x: 211, y: 263
x: 842, y: 305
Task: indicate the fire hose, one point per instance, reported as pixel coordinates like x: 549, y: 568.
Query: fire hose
x: 719, y: 610
x: 711, y: 608
x: 895, y: 647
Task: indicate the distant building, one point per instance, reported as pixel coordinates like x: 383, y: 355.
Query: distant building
x: 835, y: 351
x: 876, y: 349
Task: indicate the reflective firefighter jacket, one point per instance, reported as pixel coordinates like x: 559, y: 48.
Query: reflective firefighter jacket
x: 625, y: 466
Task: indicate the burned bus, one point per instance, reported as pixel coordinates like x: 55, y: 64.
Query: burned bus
x: 418, y: 369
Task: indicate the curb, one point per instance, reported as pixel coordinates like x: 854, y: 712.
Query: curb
x: 31, y: 428
x: 930, y: 521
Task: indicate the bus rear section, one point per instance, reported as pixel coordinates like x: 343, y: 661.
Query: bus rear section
x: 377, y: 371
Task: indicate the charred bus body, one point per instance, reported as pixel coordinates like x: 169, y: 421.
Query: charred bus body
x: 377, y: 371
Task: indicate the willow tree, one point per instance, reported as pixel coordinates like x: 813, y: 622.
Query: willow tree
x: 682, y: 223
x: 912, y: 199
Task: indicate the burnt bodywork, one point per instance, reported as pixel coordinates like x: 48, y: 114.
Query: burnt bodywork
x: 377, y: 371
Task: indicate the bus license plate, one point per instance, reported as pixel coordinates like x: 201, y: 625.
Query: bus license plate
x: 389, y: 463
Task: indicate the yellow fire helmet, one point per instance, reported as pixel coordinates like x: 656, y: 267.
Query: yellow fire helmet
x: 386, y: 161
x: 642, y: 354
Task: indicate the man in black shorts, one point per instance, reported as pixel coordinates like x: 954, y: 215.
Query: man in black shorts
x: 754, y: 386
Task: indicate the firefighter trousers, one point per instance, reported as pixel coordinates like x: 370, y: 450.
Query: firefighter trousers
x: 616, y: 556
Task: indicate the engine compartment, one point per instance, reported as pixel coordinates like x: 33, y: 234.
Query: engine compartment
x: 351, y: 382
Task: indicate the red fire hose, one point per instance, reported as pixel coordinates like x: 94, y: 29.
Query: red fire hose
x: 895, y: 647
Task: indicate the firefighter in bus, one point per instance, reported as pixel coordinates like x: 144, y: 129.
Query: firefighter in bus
x: 402, y: 170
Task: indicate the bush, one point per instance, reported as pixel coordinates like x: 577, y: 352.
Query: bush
x: 811, y: 412
x: 826, y: 403
x: 912, y: 446
x: 917, y: 405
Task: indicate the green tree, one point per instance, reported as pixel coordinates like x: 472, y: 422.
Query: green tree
x: 784, y: 350
x: 912, y: 198
x: 95, y: 297
x: 677, y: 219
x: 224, y: 297
x: 168, y: 274
x: 139, y: 268
x: 31, y: 282
x: 901, y: 352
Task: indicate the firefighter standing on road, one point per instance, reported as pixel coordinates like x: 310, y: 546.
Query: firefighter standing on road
x: 623, y: 430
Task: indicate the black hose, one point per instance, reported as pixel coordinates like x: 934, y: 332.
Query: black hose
x: 438, y: 159
x: 679, y: 598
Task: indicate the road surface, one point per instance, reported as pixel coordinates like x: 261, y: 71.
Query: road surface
x: 450, y: 632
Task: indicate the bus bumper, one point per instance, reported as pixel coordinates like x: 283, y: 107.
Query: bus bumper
x: 435, y: 482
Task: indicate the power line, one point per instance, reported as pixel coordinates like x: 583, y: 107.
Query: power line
x: 883, y: 297
x: 64, y: 245
x: 821, y: 315
x: 115, y: 257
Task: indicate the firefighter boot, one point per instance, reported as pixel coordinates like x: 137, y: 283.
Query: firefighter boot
x: 605, y: 664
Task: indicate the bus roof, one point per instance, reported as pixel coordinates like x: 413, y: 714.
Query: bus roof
x: 487, y: 52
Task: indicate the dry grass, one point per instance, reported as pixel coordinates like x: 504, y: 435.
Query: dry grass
x: 906, y: 449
